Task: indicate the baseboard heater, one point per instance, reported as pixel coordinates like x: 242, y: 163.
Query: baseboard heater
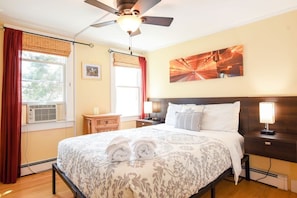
x: 273, y: 179
x: 36, y: 167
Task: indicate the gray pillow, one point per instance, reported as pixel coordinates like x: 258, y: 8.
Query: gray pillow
x: 188, y: 120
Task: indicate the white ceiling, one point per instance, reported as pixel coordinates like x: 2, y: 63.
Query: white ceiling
x: 192, y: 19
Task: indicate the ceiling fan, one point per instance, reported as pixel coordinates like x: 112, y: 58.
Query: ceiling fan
x: 130, y: 14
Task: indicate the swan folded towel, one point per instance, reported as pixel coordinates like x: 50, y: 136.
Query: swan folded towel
x: 144, y: 148
x: 118, y: 149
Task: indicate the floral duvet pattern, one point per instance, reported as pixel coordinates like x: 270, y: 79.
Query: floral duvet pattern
x: 184, y: 162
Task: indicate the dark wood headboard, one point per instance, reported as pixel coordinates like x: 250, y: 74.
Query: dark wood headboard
x: 285, y: 111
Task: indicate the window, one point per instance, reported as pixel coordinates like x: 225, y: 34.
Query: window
x: 47, y: 83
x: 43, y: 77
x: 127, y: 82
x: 47, y: 79
x: 128, y: 85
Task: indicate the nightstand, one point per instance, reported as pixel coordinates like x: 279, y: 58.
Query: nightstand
x: 143, y: 122
x: 279, y: 146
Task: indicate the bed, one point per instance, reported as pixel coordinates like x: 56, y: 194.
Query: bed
x: 188, y: 160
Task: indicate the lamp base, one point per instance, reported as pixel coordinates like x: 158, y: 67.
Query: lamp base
x: 267, y: 132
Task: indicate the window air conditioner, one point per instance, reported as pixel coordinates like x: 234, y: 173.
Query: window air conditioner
x: 41, y: 113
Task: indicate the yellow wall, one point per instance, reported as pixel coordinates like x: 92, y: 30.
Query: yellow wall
x: 91, y: 93
x: 37, y: 145
x: 270, y: 68
x: 269, y: 62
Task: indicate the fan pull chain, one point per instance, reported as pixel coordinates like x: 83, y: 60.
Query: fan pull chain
x: 130, y: 44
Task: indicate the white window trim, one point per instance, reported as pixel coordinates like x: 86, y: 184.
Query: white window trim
x: 46, y: 126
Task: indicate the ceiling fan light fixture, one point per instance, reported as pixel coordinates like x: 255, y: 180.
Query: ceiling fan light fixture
x: 129, y: 23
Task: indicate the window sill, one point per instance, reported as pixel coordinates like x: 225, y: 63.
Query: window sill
x: 46, y: 126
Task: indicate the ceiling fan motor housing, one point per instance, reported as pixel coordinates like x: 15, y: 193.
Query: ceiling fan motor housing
x: 124, y: 6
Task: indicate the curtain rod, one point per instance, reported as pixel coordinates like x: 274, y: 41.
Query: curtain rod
x: 111, y: 51
x: 91, y: 45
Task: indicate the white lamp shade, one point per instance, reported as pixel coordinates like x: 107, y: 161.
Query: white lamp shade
x: 129, y: 23
x: 148, y: 107
x: 267, y: 112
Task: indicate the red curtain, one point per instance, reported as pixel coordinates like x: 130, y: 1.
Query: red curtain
x: 142, y: 63
x: 10, y: 156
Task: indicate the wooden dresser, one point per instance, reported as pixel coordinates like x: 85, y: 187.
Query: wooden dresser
x: 100, y: 123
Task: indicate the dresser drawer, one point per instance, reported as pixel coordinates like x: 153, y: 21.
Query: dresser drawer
x: 100, y: 123
x: 106, y: 122
x: 273, y: 148
x: 140, y: 123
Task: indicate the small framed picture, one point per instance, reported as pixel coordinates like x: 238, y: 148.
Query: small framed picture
x: 90, y: 71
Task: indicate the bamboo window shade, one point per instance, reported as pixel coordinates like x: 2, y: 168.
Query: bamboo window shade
x: 47, y: 45
x: 120, y: 59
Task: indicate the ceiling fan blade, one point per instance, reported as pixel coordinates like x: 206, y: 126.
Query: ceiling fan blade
x: 144, y: 5
x: 163, y: 21
x: 104, y: 23
x: 135, y: 33
x: 102, y: 6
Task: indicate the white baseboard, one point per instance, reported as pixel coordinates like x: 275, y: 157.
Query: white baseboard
x: 36, y: 167
x: 273, y: 179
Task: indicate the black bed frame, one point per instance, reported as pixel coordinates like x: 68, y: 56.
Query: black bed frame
x: 76, y: 192
x: 248, y: 121
x: 211, y: 186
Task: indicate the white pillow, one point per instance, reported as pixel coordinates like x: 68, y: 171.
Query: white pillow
x: 192, y: 107
x: 188, y: 120
x: 170, y: 114
x: 221, y: 117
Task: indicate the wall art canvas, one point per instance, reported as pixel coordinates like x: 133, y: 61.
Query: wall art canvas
x: 222, y: 63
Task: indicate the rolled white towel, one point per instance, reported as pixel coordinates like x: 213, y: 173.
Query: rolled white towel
x: 118, y: 149
x: 144, y: 148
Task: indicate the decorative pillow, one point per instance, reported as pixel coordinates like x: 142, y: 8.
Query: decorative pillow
x: 221, y: 117
x: 171, y: 111
x: 188, y: 120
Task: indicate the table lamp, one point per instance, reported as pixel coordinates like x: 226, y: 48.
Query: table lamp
x: 267, y: 116
x: 148, y: 108
x: 156, y: 109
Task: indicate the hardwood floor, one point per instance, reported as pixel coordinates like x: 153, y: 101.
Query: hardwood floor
x: 35, y: 186
x: 40, y: 186
x: 249, y: 189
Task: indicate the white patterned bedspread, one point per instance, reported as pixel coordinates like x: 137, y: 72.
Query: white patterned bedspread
x: 185, y: 161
